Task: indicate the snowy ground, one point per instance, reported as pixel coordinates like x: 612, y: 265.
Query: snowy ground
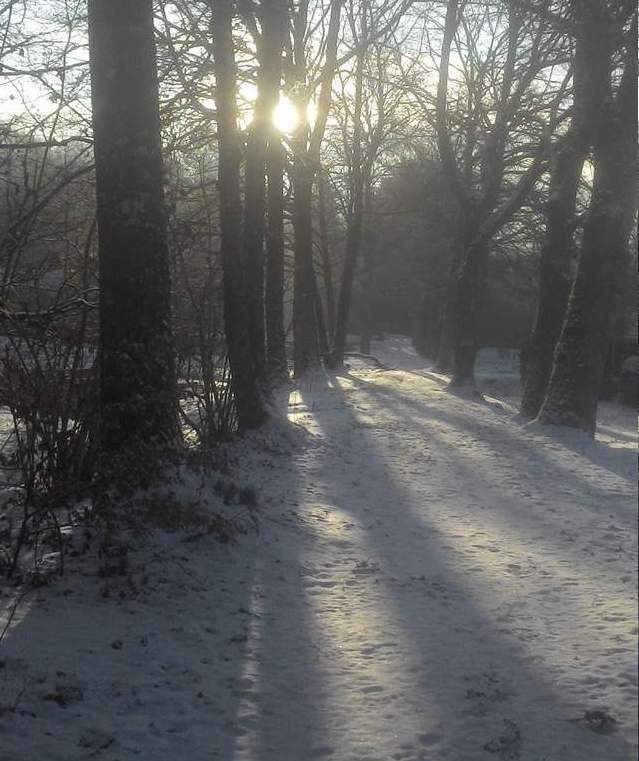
x: 431, y: 580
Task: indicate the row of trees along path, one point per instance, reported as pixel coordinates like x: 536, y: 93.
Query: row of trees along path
x: 493, y: 153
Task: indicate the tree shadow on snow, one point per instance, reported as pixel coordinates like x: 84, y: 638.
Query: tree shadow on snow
x: 143, y: 672
x: 601, y: 453
x: 495, y: 683
x: 543, y: 451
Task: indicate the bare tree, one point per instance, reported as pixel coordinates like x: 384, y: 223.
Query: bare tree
x: 593, y: 50
x: 358, y: 180
x: 368, y: 110
x: 249, y: 402
x: 306, y: 145
x: 275, y: 27
x: 500, y: 146
x: 137, y: 377
x: 269, y: 41
x: 573, y: 389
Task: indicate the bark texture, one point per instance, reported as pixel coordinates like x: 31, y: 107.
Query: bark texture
x: 591, y: 79
x: 573, y: 390
x: 136, y: 363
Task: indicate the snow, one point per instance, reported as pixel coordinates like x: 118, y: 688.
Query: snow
x: 431, y: 579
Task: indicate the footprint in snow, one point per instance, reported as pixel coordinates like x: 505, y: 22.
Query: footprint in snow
x: 363, y: 567
x: 321, y: 752
x: 507, y: 745
x: 95, y: 740
x: 430, y: 738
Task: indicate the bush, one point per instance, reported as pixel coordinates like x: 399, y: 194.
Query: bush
x: 47, y: 383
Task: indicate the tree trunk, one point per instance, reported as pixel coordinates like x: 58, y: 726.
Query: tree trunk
x: 274, y: 27
x: 327, y: 267
x: 355, y: 216
x: 590, y: 81
x: 275, y: 332
x: 306, y: 149
x: 253, y: 238
x: 322, y: 335
x: 468, y: 296
x: 273, y: 16
x: 444, y: 358
x: 353, y: 236
x: 481, y: 210
x: 248, y: 400
x: 305, y: 347
x: 455, y: 350
x: 366, y: 332
x: 366, y: 277
x: 580, y: 355
x: 136, y: 362
x: 554, y: 273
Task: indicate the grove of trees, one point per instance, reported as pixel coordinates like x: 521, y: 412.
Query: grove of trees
x: 199, y: 197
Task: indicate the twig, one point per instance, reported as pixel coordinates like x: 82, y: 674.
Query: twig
x: 13, y: 611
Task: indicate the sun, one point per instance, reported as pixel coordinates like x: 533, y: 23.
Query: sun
x: 285, y: 116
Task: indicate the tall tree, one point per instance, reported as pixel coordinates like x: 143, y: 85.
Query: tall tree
x: 367, y: 114
x: 275, y: 28
x: 276, y: 360
x: 573, y: 389
x: 306, y: 144
x: 357, y: 182
x: 501, y: 78
x: 382, y: 19
x: 136, y: 366
x: 269, y: 44
x: 591, y: 82
x: 325, y: 253
x: 251, y: 411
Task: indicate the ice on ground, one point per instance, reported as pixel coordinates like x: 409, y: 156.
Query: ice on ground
x: 431, y: 580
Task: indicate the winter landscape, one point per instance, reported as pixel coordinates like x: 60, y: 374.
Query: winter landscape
x: 430, y: 579
x: 318, y: 380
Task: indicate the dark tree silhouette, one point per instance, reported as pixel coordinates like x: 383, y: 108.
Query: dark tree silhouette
x: 249, y: 403
x: 580, y: 355
x: 356, y: 199
x: 591, y: 81
x: 136, y: 366
x: 269, y: 43
x: 478, y: 171
x: 306, y: 145
x: 274, y: 17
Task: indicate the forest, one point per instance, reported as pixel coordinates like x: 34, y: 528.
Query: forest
x: 318, y: 379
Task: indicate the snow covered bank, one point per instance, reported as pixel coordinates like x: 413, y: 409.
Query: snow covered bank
x: 431, y: 580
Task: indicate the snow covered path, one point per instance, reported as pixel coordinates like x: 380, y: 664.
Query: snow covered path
x: 430, y: 581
